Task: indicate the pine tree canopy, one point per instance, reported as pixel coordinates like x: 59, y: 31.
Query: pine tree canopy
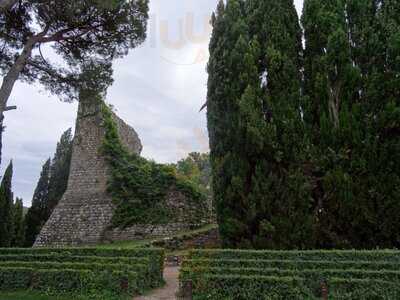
x: 83, y: 34
x: 305, y: 138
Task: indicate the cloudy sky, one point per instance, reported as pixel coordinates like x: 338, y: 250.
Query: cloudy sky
x: 159, y: 89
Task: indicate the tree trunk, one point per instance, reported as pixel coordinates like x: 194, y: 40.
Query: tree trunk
x: 7, y: 4
x: 10, y: 79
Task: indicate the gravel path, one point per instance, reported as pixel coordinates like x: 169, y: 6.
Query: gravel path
x: 167, y: 292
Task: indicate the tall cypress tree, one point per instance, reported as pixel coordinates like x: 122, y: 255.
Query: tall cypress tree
x: 35, y: 217
x: 59, y: 171
x: 352, y: 84
x: 255, y: 127
x: 19, y: 225
x: 6, y: 209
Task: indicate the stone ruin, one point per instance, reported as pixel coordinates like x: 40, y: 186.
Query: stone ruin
x: 83, y: 215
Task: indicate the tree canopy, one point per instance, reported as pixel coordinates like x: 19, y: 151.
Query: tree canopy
x: 83, y: 34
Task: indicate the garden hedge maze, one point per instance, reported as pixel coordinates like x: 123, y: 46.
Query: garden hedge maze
x: 81, y: 270
x: 241, y: 274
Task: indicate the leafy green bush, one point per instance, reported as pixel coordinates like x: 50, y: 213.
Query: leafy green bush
x: 240, y: 287
x: 230, y: 274
x: 62, y: 281
x: 290, y: 264
x: 321, y: 255
x: 82, y: 270
x: 144, y: 278
x: 15, y: 279
x: 248, y: 287
x: 154, y: 256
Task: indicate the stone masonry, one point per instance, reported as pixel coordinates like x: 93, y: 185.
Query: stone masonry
x: 84, y: 214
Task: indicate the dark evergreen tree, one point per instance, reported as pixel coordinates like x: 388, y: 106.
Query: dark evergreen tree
x: 351, y: 79
x: 59, y: 171
x: 255, y: 126
x: 6, y: 208
x: 35, y: 217
x: 19, y: 224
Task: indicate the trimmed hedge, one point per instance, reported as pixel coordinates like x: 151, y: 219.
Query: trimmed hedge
x: 144, y: 277
x: 321, y: 255
x: 154, y: 256
x: 289, y: 264
x: 241, y: 287
x: 81, y: 270
x: 244, y: 274
x: 67, y: 281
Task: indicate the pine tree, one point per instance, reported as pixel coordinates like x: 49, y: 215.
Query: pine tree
x: 59, y: 171
x: 19, y: 225
x: 35, y: 217
x: 6, y: 209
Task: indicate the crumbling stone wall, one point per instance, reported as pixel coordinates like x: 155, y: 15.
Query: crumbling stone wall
x: 84, y: 214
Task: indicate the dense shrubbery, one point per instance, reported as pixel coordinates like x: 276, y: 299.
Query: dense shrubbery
x: 229, y: 274
x: 139, y: 187
x: 81, y: 270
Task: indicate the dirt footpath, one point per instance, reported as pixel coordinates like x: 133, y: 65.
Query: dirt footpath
x: 167, y: 292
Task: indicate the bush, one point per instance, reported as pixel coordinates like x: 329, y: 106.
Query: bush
x: 290, y: 264
x: 82, y: 270
x: 230, y: 274
x: 248, y: 287
x: 155, y: 256
x: 67, y: 281
x: 15, y: 278
x: 319, y: 255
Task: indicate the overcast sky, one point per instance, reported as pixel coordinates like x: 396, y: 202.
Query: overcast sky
x: 159, y: 89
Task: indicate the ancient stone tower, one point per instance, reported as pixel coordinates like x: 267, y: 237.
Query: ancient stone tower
x: 84, y: 213
x: 86, y: 209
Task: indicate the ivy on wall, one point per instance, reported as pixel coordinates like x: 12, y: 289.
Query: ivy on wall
x: 139, y: 187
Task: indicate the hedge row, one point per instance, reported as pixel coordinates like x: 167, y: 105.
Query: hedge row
x: 68, y: 281
x: 243, y: 274
x: 313, y: 278
x: 263, y: 287
x: 144, y: 277
x: 321, y: 255
x: 290, y: 264
x: 82, y: 269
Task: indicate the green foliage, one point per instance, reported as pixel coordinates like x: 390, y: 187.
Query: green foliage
x: 256, y: 132
x: 139, y: 187
x: 228, y: 274
x: 6, y: 209
x: 59, y: 171
x: 305, y: 142
x: 36, y: 215
x: 197, y: 169
x: 19, y: 224
x: 84, y: 271
x: 51, y: 186
x: 78, y: 32
x: 351, y: 79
